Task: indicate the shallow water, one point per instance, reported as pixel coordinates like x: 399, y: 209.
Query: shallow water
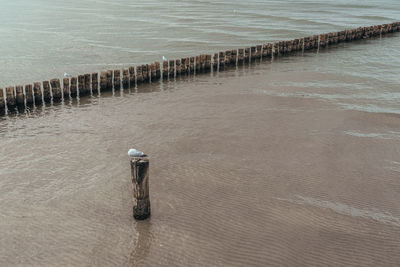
x: 293, y: 162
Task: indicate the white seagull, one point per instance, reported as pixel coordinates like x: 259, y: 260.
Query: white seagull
x: 67, y: 75
x: 164, y: 58
x: 135, y: 153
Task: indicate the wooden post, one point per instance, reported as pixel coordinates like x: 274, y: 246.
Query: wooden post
x: 125, y: 78
x: 95, y: 83
x: 139, y: 74
x: 29, y: 94
x: 65, y: 88
x: 145, y: 73
x: 228, y: 55
x: 187, y: 65
x: 140, y: 181
x: 87, y: 84
x: 178, y: 67
x: 132, y: 77
x: 158, y: 70
x: 240, y: 56
x: 207, y: 66
x: 247, y: 54
x: 183, y: 66
x: 233, y: 57
x: 221, y: 60
x: 197, y: 64
x: 81, y: 84
x: 73, y: 87
x: 37, y: 93
x: 258, y: 51
x: 172, y: 68
x: 165, y: 70
x: 56, y: 89
x: 10, y: 95
x: 19, y: 98
x: 117, y: 79
x: 215, y: 63
x: 191, y: 66
x: 103, y: 81
x: 253, y: 53
x: 2, y: 102
x: 109, y: 80
x: 153, y: 72
x: 46, y: 92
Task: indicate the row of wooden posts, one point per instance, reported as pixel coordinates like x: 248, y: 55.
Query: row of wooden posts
x: 47, y: 91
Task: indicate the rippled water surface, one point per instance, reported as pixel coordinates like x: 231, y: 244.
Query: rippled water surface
x: 294, y: 162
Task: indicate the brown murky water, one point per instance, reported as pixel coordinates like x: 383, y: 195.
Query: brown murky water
x: 289, y: 163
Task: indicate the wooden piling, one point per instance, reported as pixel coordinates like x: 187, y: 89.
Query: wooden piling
x: 202, y: 62
x: 56, y: 89
x: 221, y: 60
x: 117, y: 79
x: 103, y: 81
x: 95, y: 83
x: 253, y: 53
x: 240, y: 56
x: 73, y: 87
x: 145, y: 73
x: 158, y: 70
x: 65, y: 88
x: 87, y: 83
x: 172, y: 68
x: 183, y: 66
x: 109, y: 80
x: 2, y: 101
x: 139, y: 74
x: 258, y: 51
x: 165, y: 69
x: 228, y: 55
x: 81, y: 84
x: 178, y: 67
x: 10, y: 95
x: 125, y: 78
x: 215, y: 62
x: 37, y: 93
x: 153, y: 72
x: 46, y: 92
x: 247, y: 54
x: 191, y: 66
x: 233, y: 57
x: 29, y: 94
x: 140, y: 181
x: 197, y: 64
x: 132, y: 77
x: 19, y: 95
x: 207, y: 66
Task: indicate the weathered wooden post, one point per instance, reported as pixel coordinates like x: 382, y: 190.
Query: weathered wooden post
x: 228, y: 55
x: 241, y: 56
x: 165, y: 70
x: 172, y: 68
x: 191, y: 65
x: 81, y: 84
x: 65, y: 88
x: 140, y: 181
x: 215, y: 62
x: 10, y: 95
x: 103, y: 81
x: 37, y: 93
x: 95, y: 83
x: 2, y: 102
x: 153, y: 72
x: 158, y: 70
x: 197, y: 64
x: 19, y: 97
x: 132, y: 77
x: 221, y: 60
x: 29, y: 94
x: 56, y: 89
x: 73, y: 87
x: 258, y: 51
x: 125, y: 78
x: 145, y: 73
x: 139, y: 74
x: 247, y: 54
x: 178, y: 67
x: 207, y: 65
x: 87, y: 84
x: 233, y: 57
x: 117, y: 79
x: 109, y: 80
x: 46, y: 92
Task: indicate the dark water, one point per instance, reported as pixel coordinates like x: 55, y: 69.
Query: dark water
x: 294, y: 162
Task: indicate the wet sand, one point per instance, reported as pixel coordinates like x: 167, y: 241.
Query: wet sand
x: 248, y: 168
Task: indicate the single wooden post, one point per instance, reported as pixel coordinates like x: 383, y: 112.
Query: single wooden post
x: 19, y: 98
x: 74, y: 87
x: 158, y: 70
x: 81, y: 84
x: 145, y: 73
x: 10, y: 94
x: 29, y: 94
x: 197, y: 64
x: 117, y: 79
x: 165, y: 70
x: 203, y: 62
x: 241, y: 56
x: 153, y: 72
x: 247, y: 54
x: 37, y: 93
x: 65, y: 88
x: 46, y: 92
x: 216, y: 61
x: 207, y: 65
x: 87, y: 84
x: 172, y: 68
x: 132, y: 77
x: 221, y: 60
x: 2, y: 102
x: 140, y: 181
x: 258, y: 51
x: 109, y: 80
x: 183, y: 66
x: 56, y: 89
x: 233, y: 57
x: 228, y: 55
x: 253, y: 53
x: 103, y: 81
x: 187, y: 65
x: 191, y: 66
x: 139, y: 74
x: 178, y: 67
x: 125, y: 78
x: 95, y: 83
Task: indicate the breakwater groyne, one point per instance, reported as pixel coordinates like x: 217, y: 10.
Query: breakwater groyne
x: 56, y: 90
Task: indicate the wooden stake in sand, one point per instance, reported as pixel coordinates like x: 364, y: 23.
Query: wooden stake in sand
x: 140, y: 181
